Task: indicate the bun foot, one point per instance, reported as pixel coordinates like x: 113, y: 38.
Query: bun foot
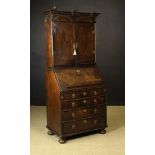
x: 62, y: 141
x: 103, y: 131
x: 50, y: 133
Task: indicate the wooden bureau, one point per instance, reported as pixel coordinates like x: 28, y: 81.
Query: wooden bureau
x: 74, y: 87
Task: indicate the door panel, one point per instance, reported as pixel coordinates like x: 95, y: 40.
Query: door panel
x: 85, y: 34
x: 63, y: 43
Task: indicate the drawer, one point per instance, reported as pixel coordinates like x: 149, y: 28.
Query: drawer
x: 78, y: 93
x: 82, y: 125
x: 70, y: 104
x: 91, y: 123
x: 97, y: 100
x: 83, y: 113
x: 96, y: 91
x: 75, y: 103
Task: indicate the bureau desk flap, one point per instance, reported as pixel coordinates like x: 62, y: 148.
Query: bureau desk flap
x: 69, y: 77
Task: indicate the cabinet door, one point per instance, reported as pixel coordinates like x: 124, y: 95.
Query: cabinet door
x: 85, y: 34
x: 63, y: 43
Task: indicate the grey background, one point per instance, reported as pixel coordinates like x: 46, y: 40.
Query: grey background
x: 110, y: 45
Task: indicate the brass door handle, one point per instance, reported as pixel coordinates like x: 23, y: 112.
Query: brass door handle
x: 76, y: 45
x: 74, y: 49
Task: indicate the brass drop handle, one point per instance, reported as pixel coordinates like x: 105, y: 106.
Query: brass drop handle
x: 73, y: 114
x: 73, y: 104
x: 84, y: 101
x: 95, y: 101
x: 95, y: 110
x: 73, y: 95
x: 73, y: 126
x: 84, y: 110
x: 95, y: 92
x: 84, y: 121
x: 84, y: 93
x: 95, y: 121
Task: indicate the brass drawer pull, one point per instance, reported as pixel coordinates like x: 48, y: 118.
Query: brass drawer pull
x: 95, y: 92
x: 73, y: 95
x: 73, y: 104
x: 95, y: 101
x: 95, y: 110
x: 84, y: 101
x: 84, y: 110
x: 84, y: 121
x: 73, y: 114
x: 73, y: 126
x: 84, y: 93
x: 95, y: 121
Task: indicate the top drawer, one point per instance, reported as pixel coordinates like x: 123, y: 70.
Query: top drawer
x: 83, y: 92
x: 79, y: 93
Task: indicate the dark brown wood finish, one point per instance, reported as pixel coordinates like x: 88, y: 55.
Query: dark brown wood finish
x: 63, y: 43
x: 86, y: 42
x: 74, y: 86
x: 49, y: 42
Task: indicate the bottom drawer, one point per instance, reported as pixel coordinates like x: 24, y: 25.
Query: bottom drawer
x: 82, y: 125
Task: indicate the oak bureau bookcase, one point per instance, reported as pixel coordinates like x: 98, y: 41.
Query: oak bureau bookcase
x: 74, y: 87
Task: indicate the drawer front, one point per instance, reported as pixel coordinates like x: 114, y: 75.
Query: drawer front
x: 80, y: 93
x: 83, y: 113
x: 82, y: 125
x: 97, y: 100
x: 91, y: 123
x: 70, y: 127
x: 70, y: 104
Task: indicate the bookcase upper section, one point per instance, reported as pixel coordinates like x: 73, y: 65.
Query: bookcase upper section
x: 70, y: 37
